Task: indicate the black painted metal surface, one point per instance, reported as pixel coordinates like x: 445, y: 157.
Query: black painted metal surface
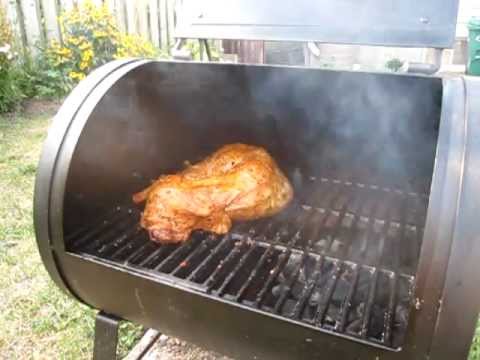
x: 50, y: 154
x: 354, y: 128
x: 106, y: 337
x: 369, y: 22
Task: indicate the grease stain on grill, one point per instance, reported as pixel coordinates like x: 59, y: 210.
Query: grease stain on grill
x: 342, y: 260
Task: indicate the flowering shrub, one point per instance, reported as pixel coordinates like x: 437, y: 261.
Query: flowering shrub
x: 10, y: 93
x: 91, y: 38
x: 6, y: 39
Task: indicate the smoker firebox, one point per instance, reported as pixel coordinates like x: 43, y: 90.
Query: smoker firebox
x: 364, y: 263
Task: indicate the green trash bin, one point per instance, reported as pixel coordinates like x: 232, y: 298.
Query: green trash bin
x: 473, y: 67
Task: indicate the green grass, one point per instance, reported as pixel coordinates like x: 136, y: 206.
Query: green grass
x: 37, y: 320
x: 475, y: 349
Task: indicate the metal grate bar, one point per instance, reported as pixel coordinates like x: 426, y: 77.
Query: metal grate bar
x: 286, y: 289
x: 129, y: 247
x: 107, y: 248
x: 235, y: 270
x: 307, y: 292
x: 296, y: 229
x: 179, y: 253
x: 140, y: 251
x: 347, y: 303
x: 109, y: 234
x: 112, y: 217
x: 369, y: 304
x: 253, y: 273
x: 328, y: 292
x: 313, y: 229
x: 198, y: 251
x: 96, y: 230
x: 155, y: 253
x: 282, y: 260
x: 390, y: 314
x: 213, y: 278
x: 221, y: 244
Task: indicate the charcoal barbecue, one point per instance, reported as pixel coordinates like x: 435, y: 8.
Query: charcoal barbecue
x: 376, y: 257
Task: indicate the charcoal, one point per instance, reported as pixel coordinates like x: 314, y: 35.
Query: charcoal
x: 363, y: 287
x: 302, y: 275
x: 376, y: 324
x: 401, y: 316
x: 315, y: 297
x: 297, y: 289
x: 404, y: 289
x: 288, y: 307
x: 336, y: 246
x: 355, y: 315
x: 291, y: 265
x: 329, y: 320
x: 341, y: 290
x: 399, y: 325
x: 332, y: 315
x: 281, y: 278
x: 277, y: 290
x: 320, y: 245
x: 309, y: 267
x: 355, y: 326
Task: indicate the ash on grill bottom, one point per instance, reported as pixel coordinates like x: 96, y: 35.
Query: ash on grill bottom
x: 343, y: 261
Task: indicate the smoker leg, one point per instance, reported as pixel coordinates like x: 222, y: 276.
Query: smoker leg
x: 106, y: 337
x: 207, y: 49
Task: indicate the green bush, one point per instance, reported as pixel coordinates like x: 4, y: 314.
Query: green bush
x: 42, y: 79
x: 10, y: 92
x: 194, y: 47
x: 394, y: 64
x: 90, y: 38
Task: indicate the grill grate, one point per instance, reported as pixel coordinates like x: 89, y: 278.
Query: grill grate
x: 343, y: 261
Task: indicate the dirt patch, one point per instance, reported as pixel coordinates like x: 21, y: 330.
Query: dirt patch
x: 35, y: 107
x: 166, y: 348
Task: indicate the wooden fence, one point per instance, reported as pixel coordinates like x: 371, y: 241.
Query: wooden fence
x: 35, y: 22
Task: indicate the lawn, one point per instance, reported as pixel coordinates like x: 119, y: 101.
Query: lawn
x: 37, y: 320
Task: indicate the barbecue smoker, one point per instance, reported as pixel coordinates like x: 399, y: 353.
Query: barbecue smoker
x: 377, y: 256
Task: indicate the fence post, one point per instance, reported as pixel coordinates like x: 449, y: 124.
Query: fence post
x: 50, y: 16
x: 66, y: 5
x: 170, y: 22
x: 163, y: 24
x: 31, y: 22
x: 15, y: 19
x: 117, y: 7
x: 154, y: 26
x: 131, y: 17
x: 143, y: 18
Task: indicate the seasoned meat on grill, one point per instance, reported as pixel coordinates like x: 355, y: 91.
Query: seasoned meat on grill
x: 237, y: 182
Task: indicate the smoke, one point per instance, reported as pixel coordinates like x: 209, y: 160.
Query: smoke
x: 378, y: 129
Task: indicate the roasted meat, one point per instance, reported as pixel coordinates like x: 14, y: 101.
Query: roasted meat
x: 237, y: 182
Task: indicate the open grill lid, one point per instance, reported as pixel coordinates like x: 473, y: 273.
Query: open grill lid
x: 406, y: 23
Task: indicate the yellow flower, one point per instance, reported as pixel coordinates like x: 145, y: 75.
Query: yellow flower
x: 85, y: 45
x: 84, y: 65
x: 73, y: 40
x: 87, y: 55
x: 76, y: 75
x: 63, y: 52
x: 99, y: 34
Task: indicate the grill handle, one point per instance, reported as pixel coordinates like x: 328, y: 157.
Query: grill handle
x: 425, y: 68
